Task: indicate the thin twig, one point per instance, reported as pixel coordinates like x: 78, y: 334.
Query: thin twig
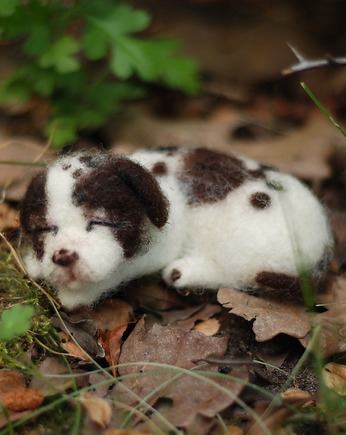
x: 305, y: 63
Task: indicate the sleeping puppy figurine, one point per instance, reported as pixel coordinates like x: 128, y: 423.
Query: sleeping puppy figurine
x: 204, y: 218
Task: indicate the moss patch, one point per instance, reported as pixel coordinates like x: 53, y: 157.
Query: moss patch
x: 16, y: 289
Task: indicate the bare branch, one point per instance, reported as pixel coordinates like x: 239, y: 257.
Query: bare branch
x: 305, y: 64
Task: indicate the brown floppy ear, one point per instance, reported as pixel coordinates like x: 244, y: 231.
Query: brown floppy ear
x: 146, y: 189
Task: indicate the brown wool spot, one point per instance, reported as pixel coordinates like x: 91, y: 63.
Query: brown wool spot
x: 257, y: 173
x: 278, y: 281
x: 280, y: 286
x: 159, y: 169
x: 175, y: 275
x: 260, y: 200
x: 170, y: 150
x: 33, y: 211
x: 208, y: 176
x: 90, y: 160
x: 129, y: 192
x: 77, y: 173
x: 66, y: 166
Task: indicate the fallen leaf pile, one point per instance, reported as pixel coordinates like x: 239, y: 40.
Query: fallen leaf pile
x: 16, y: 397
x: 179, y: 367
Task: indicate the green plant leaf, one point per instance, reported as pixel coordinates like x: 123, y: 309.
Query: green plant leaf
x: 61, y: 56
x: 38, y: 41
x: 182, y: 73
x: 62, y: 131
x: 15, y: 321
x: 144, y: 58
x: 8, y: 7
x: 106, y: 25
x: 121, y: 19
x: 58, y: 41
x: 154, y: 60
x: 95, y: 42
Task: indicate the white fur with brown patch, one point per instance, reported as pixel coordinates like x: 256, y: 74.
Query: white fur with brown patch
x: 225, y: 242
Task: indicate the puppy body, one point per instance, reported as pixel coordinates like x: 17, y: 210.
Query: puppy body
x: 203, y: 218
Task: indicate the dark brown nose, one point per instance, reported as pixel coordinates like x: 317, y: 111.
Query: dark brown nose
x: 64, y: 257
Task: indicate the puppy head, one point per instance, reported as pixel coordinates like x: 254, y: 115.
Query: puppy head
x: 84, y: 216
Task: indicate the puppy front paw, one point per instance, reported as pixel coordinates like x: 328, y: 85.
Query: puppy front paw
x: 189, y: 272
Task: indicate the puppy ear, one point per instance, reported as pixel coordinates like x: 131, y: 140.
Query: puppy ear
x: 146, y: 189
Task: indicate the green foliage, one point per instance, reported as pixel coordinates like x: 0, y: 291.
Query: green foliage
x: 15, y: 321
x: 81, y: 55
x: 15, y: 335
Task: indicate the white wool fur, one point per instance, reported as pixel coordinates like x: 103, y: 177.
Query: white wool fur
x: 222, y: 243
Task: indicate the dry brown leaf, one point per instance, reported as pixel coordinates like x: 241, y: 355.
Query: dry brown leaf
x: 188, y: 317
x: 293, y: 398
x: 331, y: 324
x: 48, y: 382
x: 110, y: 314
x: 83, y: 331
x: 171, y: 317
x: 332, y: 332
x: 101, y: 383
x: 334, y: 295
x: 72, y: 348
x: 297, y: 397
x: 186, y: 395
x: 334, y: 376
x: 23, y: 399
x: 10, y: 380
x: 112, y: 342
x: 270, y: 317
x: 208, y: 327
x: 14, y: 394
x: 272, y: 360
x: 153, y: 297
x: 99, y: 410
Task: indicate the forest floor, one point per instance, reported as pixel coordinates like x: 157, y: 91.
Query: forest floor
x: 271, y: 366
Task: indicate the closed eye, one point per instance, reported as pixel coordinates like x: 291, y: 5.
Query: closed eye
x: 52, y: 229
x: 91, y: 224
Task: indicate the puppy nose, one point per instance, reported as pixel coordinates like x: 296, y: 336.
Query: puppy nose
x: 64, y: 257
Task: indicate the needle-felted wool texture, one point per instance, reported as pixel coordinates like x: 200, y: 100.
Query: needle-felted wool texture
x: 204, y: 218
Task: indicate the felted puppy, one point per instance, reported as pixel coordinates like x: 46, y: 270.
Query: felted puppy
x: 204, y: 218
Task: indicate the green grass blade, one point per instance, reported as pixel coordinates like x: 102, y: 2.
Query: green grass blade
x: 322, y: 108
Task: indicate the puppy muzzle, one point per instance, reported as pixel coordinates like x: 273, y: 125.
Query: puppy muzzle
x: 65, y: 257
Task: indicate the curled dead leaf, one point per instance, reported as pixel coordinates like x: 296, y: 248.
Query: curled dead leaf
x: 98, y: 409
x: 334, y: 376
x: 110, y: 314
x: 331, y: 326
x: 297, y: 397
x: 112, y: 342
x: 208, y: 327
x: 271, y: 317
